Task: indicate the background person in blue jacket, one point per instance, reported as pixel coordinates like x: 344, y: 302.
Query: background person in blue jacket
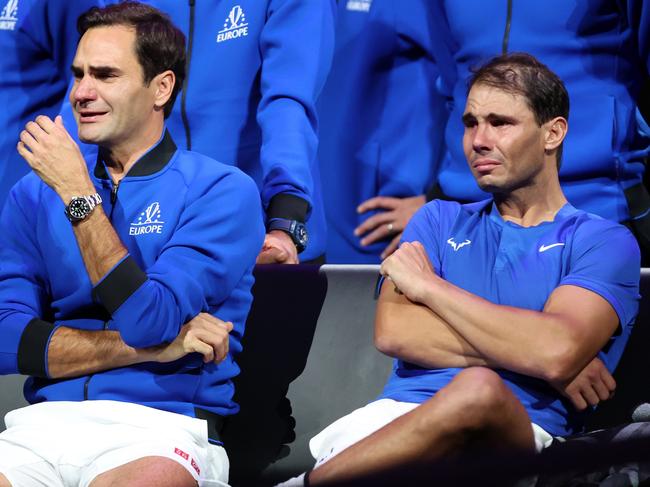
x: 601, y: 49
x: 493, y: 310
x: 380, y: 120
x: 254, y: 70
x: 38, y: 39
x: 112, y: 273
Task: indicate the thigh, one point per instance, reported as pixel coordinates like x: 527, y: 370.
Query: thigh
x: 147, y: 471
x: 19, y: 466
x: 356, y: 426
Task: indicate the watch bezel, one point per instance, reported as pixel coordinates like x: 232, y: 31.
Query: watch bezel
x: 296, y: 230
x: 79, y: 207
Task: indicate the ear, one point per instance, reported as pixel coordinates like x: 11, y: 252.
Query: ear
x: 164, y: 84
x: 556, y: 130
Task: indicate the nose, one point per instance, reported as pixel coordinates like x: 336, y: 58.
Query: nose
x: 481, y: 139
x: 83, y: 90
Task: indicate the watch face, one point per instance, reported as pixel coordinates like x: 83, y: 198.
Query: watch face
x: 78, y: 209
x: 301, y: 234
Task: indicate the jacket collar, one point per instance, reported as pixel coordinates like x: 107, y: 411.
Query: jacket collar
x: 150, y: 163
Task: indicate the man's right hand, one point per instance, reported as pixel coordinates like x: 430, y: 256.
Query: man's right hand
x: 593, y: 384
x: 204, y: 334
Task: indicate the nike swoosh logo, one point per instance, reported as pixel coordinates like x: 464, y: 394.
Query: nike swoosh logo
x: 544, y: 248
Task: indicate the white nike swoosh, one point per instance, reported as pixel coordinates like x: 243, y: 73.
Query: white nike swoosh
x: 544, y: 248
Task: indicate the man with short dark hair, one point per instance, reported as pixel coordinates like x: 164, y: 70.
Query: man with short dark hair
x: 495, y: 311
x: 112, y: 273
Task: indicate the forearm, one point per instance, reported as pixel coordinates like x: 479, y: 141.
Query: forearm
x: 414, y: 333
x: 545, y: 344
x: 99, y: 244
x: 74, y: 353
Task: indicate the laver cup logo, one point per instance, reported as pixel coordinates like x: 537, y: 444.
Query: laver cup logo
x: 149, y: 221
x: 235, y: 25
x: 9, y: 15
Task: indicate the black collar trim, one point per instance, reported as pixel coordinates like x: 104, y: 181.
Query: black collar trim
x: 150, y: 163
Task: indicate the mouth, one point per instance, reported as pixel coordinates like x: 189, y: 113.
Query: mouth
x: 485, y: 165
x: 90, y: 116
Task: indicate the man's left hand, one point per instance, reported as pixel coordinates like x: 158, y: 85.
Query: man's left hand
x: 592, y: 385
x: 55, y: 157
x: 390, y: 222
x: 278, y: 248
x: 410, y: 270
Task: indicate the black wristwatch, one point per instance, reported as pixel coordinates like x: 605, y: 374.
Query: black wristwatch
x: 295, y: 229
x: 81, y: 206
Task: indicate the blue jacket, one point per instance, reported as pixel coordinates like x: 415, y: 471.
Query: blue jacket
x: 193, y: 228
x: 38, y: 39
x: 255, y: 70
x: 599, y: 48
x: 380, y: 117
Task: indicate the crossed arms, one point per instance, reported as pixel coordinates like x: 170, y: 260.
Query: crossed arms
x: 428, y: 321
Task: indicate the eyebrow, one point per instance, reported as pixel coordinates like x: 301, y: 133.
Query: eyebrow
x: 96, y: 70
x: 470, y: 117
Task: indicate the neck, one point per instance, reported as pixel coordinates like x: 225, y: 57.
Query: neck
x: 532, y: 204
x: 121, y: 157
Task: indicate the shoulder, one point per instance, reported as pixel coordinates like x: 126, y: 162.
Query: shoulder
x: 593, y: 232
x: 201, y: 172
x: 603, y: 248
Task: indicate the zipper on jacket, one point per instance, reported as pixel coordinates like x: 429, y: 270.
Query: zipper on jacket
x: 190, y: 42
x: 506, y: 33
x: 104, y: 328
x: 114, y: 189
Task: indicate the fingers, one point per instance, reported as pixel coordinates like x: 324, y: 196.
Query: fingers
x: 34, y: 130
x: 608, y: 380
x: 601, y: 391
x: 273, y: 256
x: 578, y: 401
x: 590, y: 396
x: 25, y: 153
x: 378, y: 202
x: 208, y: 336
x: 45, y: 123
x: 375, y: 221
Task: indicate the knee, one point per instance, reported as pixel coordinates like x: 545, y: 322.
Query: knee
x: 479, y: 395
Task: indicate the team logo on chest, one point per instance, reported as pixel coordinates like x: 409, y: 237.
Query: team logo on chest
x: 149, y: 221
x: 235, y: 25
x: 358, y: 5
x: 9, y: 15
x: 458, y: 245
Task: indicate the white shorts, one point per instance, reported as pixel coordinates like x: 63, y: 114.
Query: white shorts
x: 364, y: 421
x: 63, y: 443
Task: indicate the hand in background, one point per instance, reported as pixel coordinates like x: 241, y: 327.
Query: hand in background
x: 278, y: 248
x: 390, y: 222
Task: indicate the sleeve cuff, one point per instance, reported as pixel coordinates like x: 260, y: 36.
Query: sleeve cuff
x: 119, y: 284
x: 32, y: 349
x: 287, y: 206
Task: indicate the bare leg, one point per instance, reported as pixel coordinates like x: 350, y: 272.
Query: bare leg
x: 475, y: 409
x: 4, y: 482
x: 146, y: 472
